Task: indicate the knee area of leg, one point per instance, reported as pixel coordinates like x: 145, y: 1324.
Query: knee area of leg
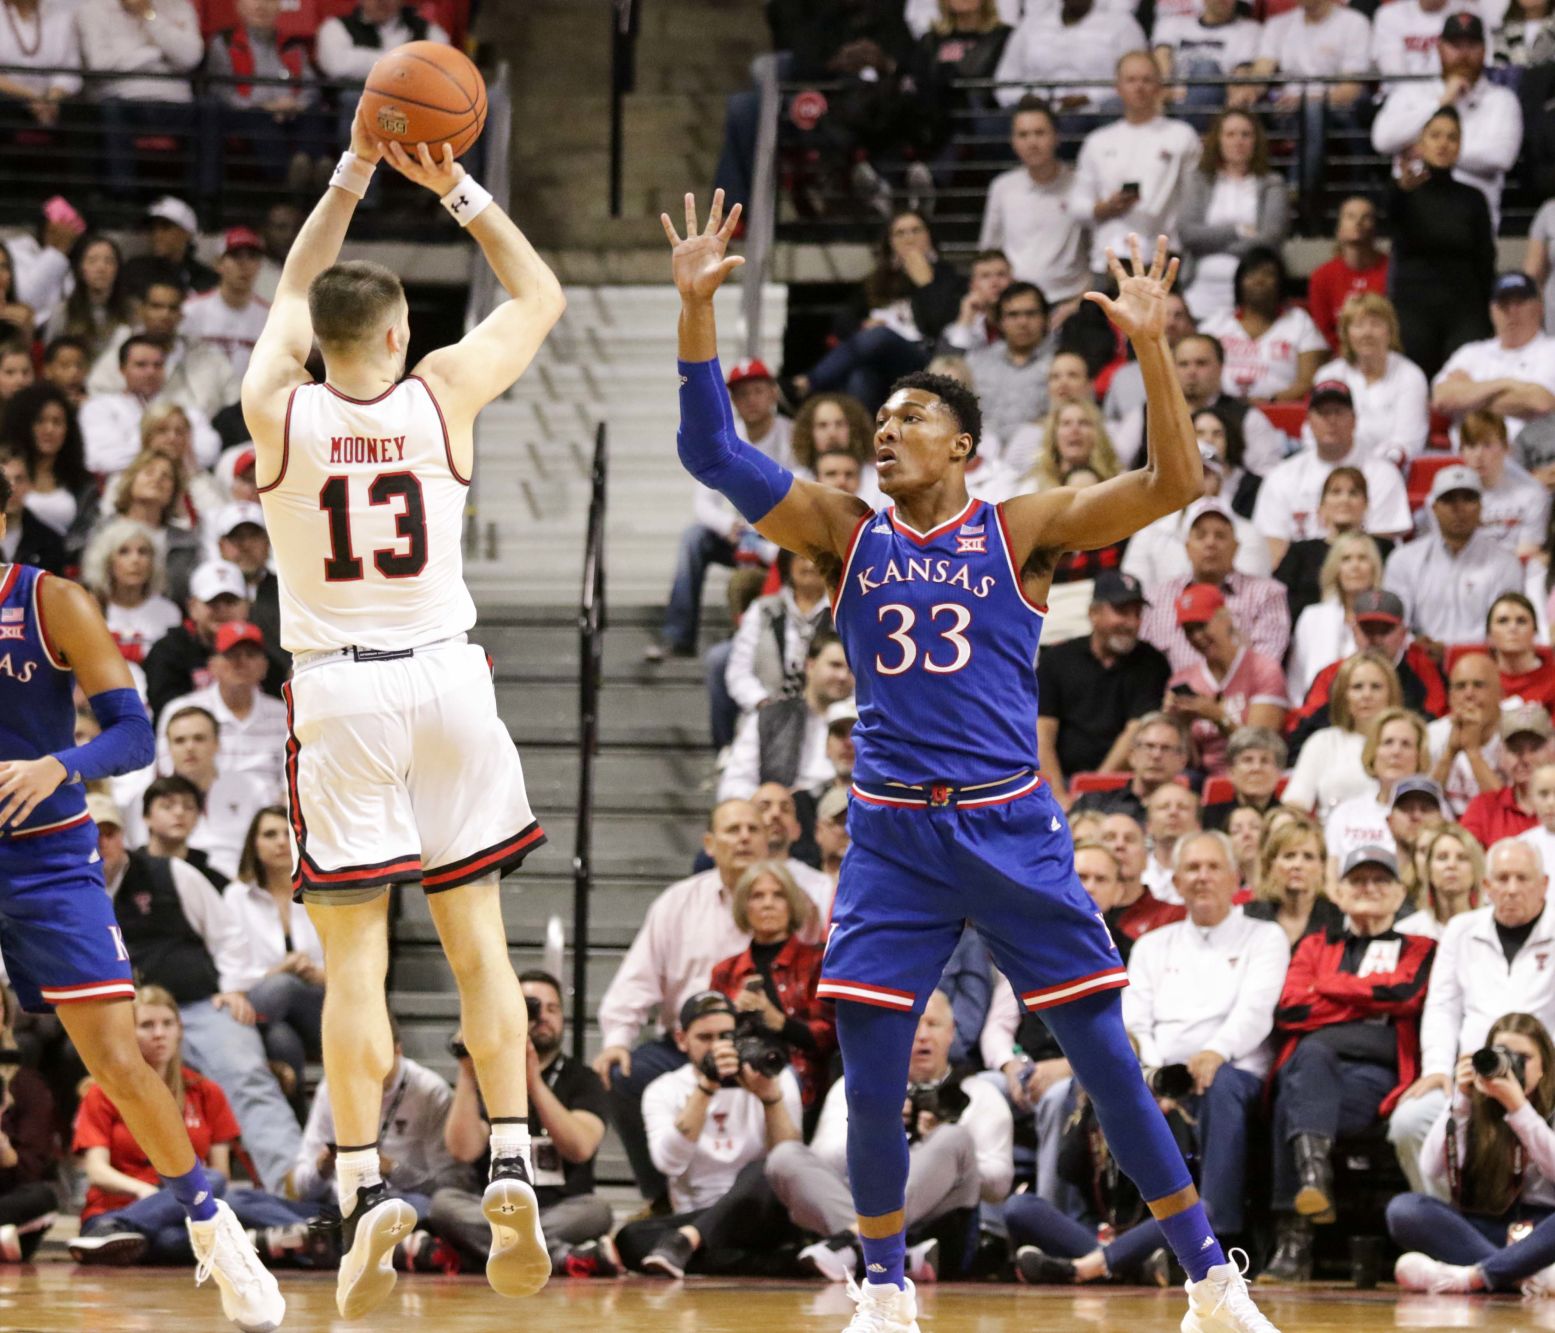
x: 783, y: 1158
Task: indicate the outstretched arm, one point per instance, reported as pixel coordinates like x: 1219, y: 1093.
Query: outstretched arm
x: 1173, y: 475
x: 812, y: 520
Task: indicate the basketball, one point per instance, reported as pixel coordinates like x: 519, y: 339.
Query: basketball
x: 426, y: 92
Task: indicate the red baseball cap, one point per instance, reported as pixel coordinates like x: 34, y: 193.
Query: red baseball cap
x: 1197, y: 603
x: 244, y: 463
x: 751, y: 368
x: 234, y: 632
x: 241, y: 238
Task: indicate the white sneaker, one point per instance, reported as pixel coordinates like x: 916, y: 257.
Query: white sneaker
x: 519, y: 1263
x: 250, y: 1297
x: 883, y: 1308
x: 1221, y: 1303
x: 1419, y: 1272
x: 922, y: 1262
x: 835, y: 1265
x: 368, y: 1236
x: 1539, y: 1286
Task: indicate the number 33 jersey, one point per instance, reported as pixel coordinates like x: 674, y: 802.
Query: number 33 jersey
x: 943, y: 646
x: 365, y: 520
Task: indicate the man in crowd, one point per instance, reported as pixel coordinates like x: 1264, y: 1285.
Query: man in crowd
x: 1201, y: 995
x: 1255, y: 758
x: 110, y: 422
x: 1078, y: 40
x: 231, y: 317
x: 974, y: 325
x: 171, y: 807
x: 1514, y: 508
x: 568, y: 1112
x: 1159, y: 551
x: 1157, y: 754
x: 242, y: 540
x: 1171, y: 814
x: 283, y: 220
x: 179, y: 662
x: 1010, y: 375
x: 16, y: 371
x: 66, y: 361
x: 1137, y: 911
x: 1526, y: 737
x: 1511, y: 374
x: 779, y: 815
x: 1092, y: 689
x: 1448, y: 579
x: 1214, y: 43
x: 1405, y: 36
x: 961, y: 1139
x: 229, y: 801
x: 1258, y: 605
x: 1490, y: 962
x: 28, y: 539
x: 348, y: 47
x: 1359, y: 266
x: 1466, y: 744
x: 171, y: 232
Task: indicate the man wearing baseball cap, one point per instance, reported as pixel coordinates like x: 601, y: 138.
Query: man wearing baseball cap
x: 1512, y: 373
x: 1527, y: 741
x: 1449, y: 578
x: 242, y: 540
x: 1092, y: 691
x: 171, y: 231
x: 1491, y: 117
x: 231, y: 317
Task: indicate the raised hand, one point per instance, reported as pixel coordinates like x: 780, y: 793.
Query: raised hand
x: 1139, y: 310
x: 364, y: 143
x: 424, y: 169
x: 699, y: 263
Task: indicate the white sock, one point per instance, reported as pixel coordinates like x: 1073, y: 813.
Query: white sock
x: 353, y: 1169
x: 511, y: 1139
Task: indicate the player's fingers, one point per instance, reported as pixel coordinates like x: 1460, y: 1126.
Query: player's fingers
x: 726, y: 232
x: 715, y: 214
x: 669, y: 229
x: 397, y: 153
x: 424, y: 156
x: 448, y: 156
x: 1171, y: 273
x: 1114, y: 267
x: 1135, y: 256
x: 730, y: 264
x: 691, y: 214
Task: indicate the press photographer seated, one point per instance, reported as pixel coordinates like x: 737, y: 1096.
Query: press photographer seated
x: 1493, y: 1149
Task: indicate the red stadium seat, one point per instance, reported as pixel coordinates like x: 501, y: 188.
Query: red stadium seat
x: 1289, y: 417
x: 1421, y: 471
x: 1440, y: 436
x: 1080, y: 783
x: 1218, y: 789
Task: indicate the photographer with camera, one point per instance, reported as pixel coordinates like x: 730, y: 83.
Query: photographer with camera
x: 772, y: 983
x: 568, y: 1111
x: 960, y: 1144
x: 710, y: 1123
x: 1493, y: 1150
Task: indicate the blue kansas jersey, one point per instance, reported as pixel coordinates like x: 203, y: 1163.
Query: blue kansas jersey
x: 943, y: 646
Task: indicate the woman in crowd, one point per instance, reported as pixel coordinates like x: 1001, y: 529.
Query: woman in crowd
x: 1396, y: 747
x: 151, y: 490
x: 1324, y: 631
x: 1230, y: 205
x: 1526, y: 35
x: 1292, y: 877
x: 29, y: 1150
x: 165, y: 430
x: 964, y: 43
x: 1244, y: 826
x: 129, y: 1216
x: 1328, y: 769
x: 1392, y: 397
x: 97, y: 303
x: 12, y: 311
x: 830, y: 421
x: 1222, y: 432
x: 1342, y: 509
x: 1527, y: 667
x: 1273, y: 348
x: 1444, y: 248
x: 775, y: 977
x: 40, y: 424
x: 1348, y: 1030
x: 1451, y: 866
x: 908, y: 297
x: 1068, y: 381
x: 1073, y: 436
x: 1492, y: 1150
x: 284, y: 979
x: 122, y: 568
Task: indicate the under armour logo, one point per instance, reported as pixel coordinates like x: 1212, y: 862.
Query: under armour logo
x: 460, y: 202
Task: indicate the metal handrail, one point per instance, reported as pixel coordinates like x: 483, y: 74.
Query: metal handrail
x: 624, y: 17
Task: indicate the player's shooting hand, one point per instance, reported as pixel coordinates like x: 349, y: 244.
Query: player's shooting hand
x: 1139, y: 310
x: 438, y: 176
x: 364, y: 143
x: 699, y: 263
x: 24, y: 784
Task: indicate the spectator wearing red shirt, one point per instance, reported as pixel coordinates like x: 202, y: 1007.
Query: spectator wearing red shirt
x: 1357, y: 267
x: 128, y: 1214
x: 1137, y: 911
x: 1526, y: 737
x: 1526, y: 666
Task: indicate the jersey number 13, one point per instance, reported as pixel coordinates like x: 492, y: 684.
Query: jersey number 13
x: 343, y: 565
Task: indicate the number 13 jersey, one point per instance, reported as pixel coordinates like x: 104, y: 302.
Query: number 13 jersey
x: 365, y: 520
x: 943, y: 646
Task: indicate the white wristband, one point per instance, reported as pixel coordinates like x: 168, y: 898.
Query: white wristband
x: 352, y: 174
x: 466, y: 201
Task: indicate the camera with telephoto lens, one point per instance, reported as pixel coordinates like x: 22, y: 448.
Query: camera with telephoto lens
x: 944, y: 1101
x: 1499, y: 1062
x: 1173, y: 1082
x: 758, y: 1046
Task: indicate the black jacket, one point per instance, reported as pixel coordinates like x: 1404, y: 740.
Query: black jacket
x: 40, y: 545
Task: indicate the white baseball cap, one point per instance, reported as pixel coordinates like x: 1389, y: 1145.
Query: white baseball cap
x: 236, y: 514
x: 217, y: 578
x: 169, y: 209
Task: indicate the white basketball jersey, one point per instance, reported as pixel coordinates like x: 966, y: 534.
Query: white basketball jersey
x: 365, y: 522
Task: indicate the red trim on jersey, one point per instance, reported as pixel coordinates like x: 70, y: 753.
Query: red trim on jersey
x: 362, y: 402
x: 91, y: 990
x: 1114, y: 978
x: 11, y: 575
x: 847, y: 560
x: 286, y: 442
x: 55, y: 660
x: 73, y: 822
x: 1009, y: 559
x: 882, y: 997
x: 405, y: 869
x: 924, y: 538
x: 448, y: 448
x: 293, y: 801
x: 503, y: 856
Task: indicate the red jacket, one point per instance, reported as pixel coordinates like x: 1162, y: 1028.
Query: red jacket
x: 1144, y: 914
x: 795, y: 973
x: 1318, y: 995
x: 1493, y: 815
x: 1415, y: 658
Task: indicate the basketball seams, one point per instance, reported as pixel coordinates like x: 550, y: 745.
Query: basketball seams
x: 432, y: 64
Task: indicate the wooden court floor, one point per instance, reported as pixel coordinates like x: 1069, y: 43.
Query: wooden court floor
x: 60, y: 1298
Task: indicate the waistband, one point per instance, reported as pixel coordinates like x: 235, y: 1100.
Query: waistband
x: 949, y: 795
x: 322, y: 656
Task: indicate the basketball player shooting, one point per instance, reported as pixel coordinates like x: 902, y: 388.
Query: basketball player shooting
x: 939, y: 600
x: 399, y: 769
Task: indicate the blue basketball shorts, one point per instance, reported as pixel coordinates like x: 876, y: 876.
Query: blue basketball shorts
x: 915, y: 874
x: 58, y: 935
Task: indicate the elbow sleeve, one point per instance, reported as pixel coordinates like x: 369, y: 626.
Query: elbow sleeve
x: 125, y: 744
x: 712, y: 453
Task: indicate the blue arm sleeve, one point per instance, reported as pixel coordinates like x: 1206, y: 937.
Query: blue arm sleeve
x: 712, y: 453
x: 126, y: 742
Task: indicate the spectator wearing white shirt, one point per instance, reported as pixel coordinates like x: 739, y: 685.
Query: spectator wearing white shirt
x: 110, y: 423
x: 1290, y: 500
x: 1329, y: 769
x: 1171, y: 814
x: 40, y: 35
x: 1491, y: 117
x: 973, y: 326
x: 349, y: 46
x: 1158, y: 552
x: 1029, y: 214
x: 1396, y: 749
x: 1390, y: 392
x: 1514, y: 508
x: 1213, y: 43
x: 1076, y: 44
x: 1490, y: 962
x: 123, y: 568
x: 1404, y: 37
x: 230, y: 800
x: 230, y: 317
x: 1448, y: 579
x: 1466, y: 743
x: 1201, y: 994
x: 1511, y: 374
x: 1272, y: 347
x: 1324, y: 631
x: 1131, y: 174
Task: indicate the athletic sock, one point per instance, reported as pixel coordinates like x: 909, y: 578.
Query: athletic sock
x: 885, y: 1260
x: 510, y: 1138
x: 194, y: 1194
x: 355, y: 1168
x: 1193, y: 1241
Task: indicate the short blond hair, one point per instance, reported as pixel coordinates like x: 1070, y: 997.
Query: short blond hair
x: 800, y: 908
x: 1374, y: 738
x: 1338, y: 695
x: 1344, y: 543
x: 1360, y: 305
x: 1275, y: 844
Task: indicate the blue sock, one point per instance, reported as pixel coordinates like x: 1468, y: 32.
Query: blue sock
x: 1192, y: 1241
x: 193, y: 1191
x: 885, y: 1260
